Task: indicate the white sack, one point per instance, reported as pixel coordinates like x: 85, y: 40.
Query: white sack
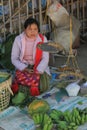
x: 60, y: 17
x: 57, y: 13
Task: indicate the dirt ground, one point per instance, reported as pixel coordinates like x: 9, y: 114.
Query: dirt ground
x: 81, y: 59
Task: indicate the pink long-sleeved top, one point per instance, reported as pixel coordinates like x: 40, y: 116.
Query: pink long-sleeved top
x: 18, y: 53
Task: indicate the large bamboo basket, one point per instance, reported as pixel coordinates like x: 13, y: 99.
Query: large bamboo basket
x: 5, y: 92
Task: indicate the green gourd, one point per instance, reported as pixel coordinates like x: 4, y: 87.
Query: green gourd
x: 38, y: 106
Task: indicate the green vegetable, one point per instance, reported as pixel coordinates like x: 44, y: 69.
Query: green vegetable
x: 38, y: 106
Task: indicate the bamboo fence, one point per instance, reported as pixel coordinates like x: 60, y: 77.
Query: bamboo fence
x: 19, y: 10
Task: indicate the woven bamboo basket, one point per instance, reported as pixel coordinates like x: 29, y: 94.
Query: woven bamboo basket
x: 5, y: 92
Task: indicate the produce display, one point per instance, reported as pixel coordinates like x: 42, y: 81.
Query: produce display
x: 69, y: 120
x: 58, y: 120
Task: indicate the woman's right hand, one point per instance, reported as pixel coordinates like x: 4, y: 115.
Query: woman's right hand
x: 28, y: 70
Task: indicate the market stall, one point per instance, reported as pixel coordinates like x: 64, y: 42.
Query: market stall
x: 64, y: 105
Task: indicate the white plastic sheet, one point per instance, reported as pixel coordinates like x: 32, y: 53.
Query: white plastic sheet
x: 14, y: 118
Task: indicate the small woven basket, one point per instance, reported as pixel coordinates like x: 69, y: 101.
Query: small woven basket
x: 5, y: 92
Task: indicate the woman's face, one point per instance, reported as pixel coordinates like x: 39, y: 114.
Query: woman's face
x: 31, y: 31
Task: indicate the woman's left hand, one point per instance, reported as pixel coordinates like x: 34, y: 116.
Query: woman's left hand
x: 38, y: 72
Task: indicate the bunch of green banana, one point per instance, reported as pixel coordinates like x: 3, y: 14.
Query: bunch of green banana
x: 46, y: 119
x: 70, y: 119
x: 47, y: 122
x: 62, y: 125
x: 67, y: 116
x: 38, y: 118
x: 74, y: 118
x: 77, y: 117
x: 42, y: 122
x: 56, y: 115
x: 48, y: 126
x: 72, y: 126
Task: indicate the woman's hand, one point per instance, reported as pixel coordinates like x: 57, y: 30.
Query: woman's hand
x: 28, y: 70
x: 38, y: 72
x: 31, y: 71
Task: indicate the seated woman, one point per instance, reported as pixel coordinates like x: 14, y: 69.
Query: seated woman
x: 26, y: 56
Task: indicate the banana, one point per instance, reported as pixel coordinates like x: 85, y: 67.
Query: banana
x: 49, y: 121
x: 41, y: 117
x: 45, y: 127
x: 73, y: 119
x: 86, y: 118
x: 79, y: 118
x: 70, y: 127
x: 72, y: 124
x: 50, y: 126
x: 54, y: 116
x: 54, y: 111
x: 67, y: 119
x: 36, y: 118
x: 77, y: 122
x: 75, y: 127
x: 46, y: 118
x: 83, y: 119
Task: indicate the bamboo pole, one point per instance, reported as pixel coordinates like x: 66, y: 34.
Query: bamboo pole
x: 33, y: 8
x: 10, y: 14
x: 83, y: 14
x: 3, y: 19
x: 67, y: 5
x: 19, y: 17
x: 72, y: 7
x: 27, y: 10
x: 12, y: 3
x: 40, y: 15
x: 78, y: 9
x: 49, y: 21
x: 83, y: 3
